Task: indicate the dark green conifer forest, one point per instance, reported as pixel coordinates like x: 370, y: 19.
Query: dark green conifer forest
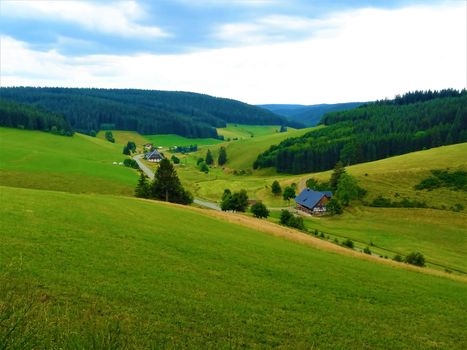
x: 412, y: 122
x: 146, y: 111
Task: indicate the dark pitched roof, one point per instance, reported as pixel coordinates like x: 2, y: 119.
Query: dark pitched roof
x: 309, y: 198
x: 153, y: 154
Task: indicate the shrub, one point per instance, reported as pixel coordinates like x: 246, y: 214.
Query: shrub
x: 259, y: 210
x: 131, y: 163
x: 397, y: 258
x: 367, y: 250
x: 415, y: 258
x: 288, y: 219
x: 348, y: 243
x: 175, y: 160
x: 333, y: 207
x: 457, y: 207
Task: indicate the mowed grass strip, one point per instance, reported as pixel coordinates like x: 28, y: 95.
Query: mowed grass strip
x: 174, y: 277
x: 80, y: 163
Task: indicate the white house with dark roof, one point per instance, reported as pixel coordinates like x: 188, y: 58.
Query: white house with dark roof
x: 154, y: 156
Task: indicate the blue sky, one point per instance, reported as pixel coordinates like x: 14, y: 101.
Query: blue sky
x: 269, y: 51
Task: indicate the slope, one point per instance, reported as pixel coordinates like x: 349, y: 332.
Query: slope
x: 309, y: 115
x: 79, y: 163
x: 209, y: 285
x: 146, y: 111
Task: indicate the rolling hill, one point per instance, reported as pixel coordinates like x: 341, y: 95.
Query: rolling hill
x: 308, y: 115
x: 146, y: 111
x: 212, y: 284
x: 80, y: 163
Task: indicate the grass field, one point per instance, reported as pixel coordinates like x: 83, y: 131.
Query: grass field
x: 440, y: 235
x: 123, y: 136
x: 243, y: 131
x: 396, y: 177
x: 34, y: 159
x: 171, y: 140
x: 116, y: 271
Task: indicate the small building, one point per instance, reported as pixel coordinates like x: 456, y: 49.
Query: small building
x: 313, y: 202
x: 154, y: 156
x: 148, y: 147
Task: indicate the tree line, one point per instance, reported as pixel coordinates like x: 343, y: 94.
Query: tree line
x: 371, y: 132
x: 17, y: 115
x: 145, y: 111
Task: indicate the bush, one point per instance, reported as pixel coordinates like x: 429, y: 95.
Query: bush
x: 131, y: 163
x: 367, y: 250
x: 397, y: 258
x: 175, y: 160
x: 288, y: 219
x: 259, y: 210
x: 348, y: 243
x: 415, y: 258
x: 333, y: 207
x: 457, y: 207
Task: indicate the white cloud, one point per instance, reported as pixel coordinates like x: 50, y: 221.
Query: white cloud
x: 266, y: 29
x: 119, y: 18
x: 359, y: 56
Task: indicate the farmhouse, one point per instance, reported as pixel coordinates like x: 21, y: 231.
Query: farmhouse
x: 154, y: 156
x: 313, y: 202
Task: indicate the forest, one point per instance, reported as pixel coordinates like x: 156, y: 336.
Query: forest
x: 145, y: 111
x: 411, y: 122
x: 17, y: 115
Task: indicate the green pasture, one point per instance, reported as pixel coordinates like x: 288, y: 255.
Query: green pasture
x: 440, y: 235
x: 93, y: 271
x: 123, y: 136
x: 244, y: 131
x: 80, y: 163
x: 170, y: 140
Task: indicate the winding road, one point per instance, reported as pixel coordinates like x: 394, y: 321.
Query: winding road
x: 150, y: 174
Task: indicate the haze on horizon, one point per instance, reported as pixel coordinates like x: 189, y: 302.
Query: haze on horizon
x: 297, y: 51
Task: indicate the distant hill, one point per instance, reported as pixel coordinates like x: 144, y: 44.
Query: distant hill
x: 308, y: 115
x: 412, y: 122
x: 146, y: 111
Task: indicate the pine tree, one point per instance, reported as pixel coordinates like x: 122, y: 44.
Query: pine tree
x: 336, y: 174
x: 166, y: 185
x: 209, y: 159
x: 142, y: 188
x: 222, y: 159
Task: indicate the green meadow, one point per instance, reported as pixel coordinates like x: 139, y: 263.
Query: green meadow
x: 244, y: 131
x: 170, y: 140
x: 440, y: 235
x: 123, y: 136
x: 100, y: 271
x: 80, y: 163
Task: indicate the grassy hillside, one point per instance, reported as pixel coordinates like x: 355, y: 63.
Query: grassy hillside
x: 123, y: 136
x: 80, y: 163
x: 176, y: 140
x: 153, y: 278
x: 243, y: 131
x: 440, y: 235
x: 242, y: 154
x: 396, y: 177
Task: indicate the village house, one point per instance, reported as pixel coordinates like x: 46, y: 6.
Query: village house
x: 154, y: 156
x: 148, y: 146
x: 313, y: 202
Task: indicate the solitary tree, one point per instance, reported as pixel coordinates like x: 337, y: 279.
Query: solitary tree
x: 175, y: 159
x: 288, y: 193
x: 222, y: 159
x: 259, y: 210
x: 167, y: 186
x: 237, y: 201
x: 209, y: 159
x: 109, y: 137
x: 276, y: 188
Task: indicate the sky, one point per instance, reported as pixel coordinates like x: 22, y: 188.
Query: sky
x: 256, y: 51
